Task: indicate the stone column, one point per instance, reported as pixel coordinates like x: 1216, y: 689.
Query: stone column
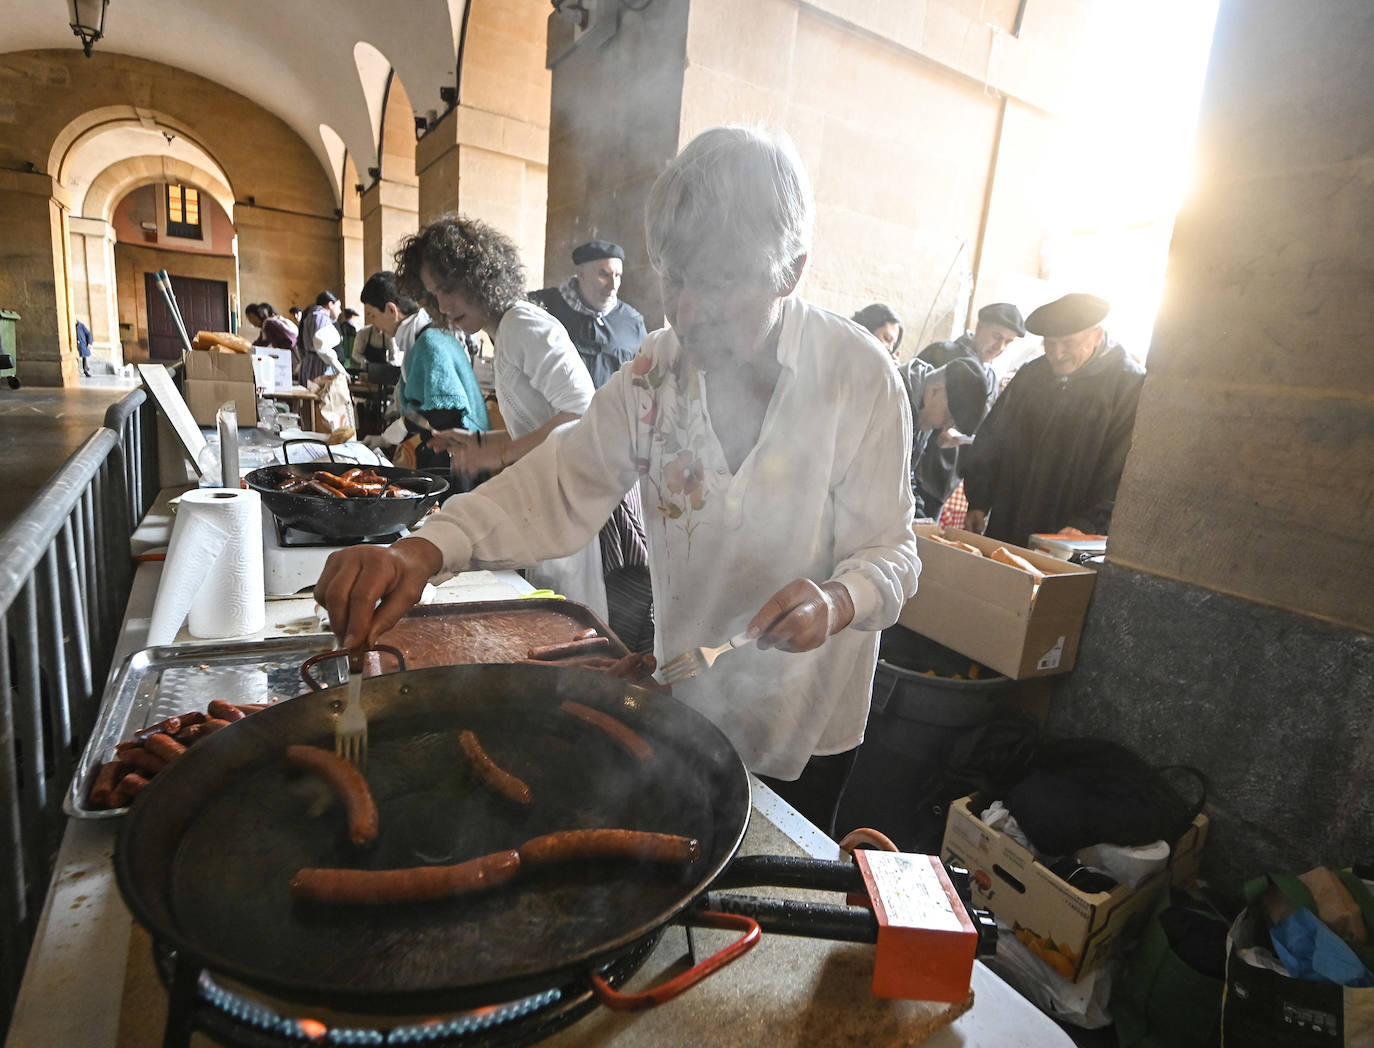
x: 490, y: 166
x: 93, y: 287
x: 389, y: 211
x: 33, y: 276
x: 354, y: 268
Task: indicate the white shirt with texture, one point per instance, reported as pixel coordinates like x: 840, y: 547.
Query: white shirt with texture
x: 539, y: 375
x: 824, y: 495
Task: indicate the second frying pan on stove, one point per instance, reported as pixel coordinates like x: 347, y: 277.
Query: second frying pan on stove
x: 347, y: 517
x: 206, y: 853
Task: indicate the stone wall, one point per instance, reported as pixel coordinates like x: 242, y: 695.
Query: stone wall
x: 917, y: 121
x: 488, y: 156
x: 1233, y: 627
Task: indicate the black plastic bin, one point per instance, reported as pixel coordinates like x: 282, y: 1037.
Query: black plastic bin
x: 916, y: 721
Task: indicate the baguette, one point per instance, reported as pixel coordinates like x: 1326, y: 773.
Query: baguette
x: 956, y: 544
x: 1005, y: 556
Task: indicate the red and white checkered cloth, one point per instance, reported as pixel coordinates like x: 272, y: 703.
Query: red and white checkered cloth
x: 955, y: 509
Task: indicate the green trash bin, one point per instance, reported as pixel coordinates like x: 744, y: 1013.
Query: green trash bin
x: 9, y: 345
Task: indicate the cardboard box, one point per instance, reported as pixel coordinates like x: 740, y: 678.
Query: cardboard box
x: 213, y: 377
x: 1071, y: 931
x: 996, y: 614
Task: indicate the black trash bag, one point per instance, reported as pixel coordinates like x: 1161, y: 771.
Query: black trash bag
x: 1088, y: 791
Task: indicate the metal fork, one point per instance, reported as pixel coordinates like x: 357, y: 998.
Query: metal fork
x: 350, y: 730
x: 690, y: 663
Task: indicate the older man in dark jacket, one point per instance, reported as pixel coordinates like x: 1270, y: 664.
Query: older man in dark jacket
x: 606, y: 331
x: 1049, y: 455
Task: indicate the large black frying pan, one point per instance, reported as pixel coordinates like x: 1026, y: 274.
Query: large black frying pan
x: 205, y: 855
x: 350, y: 517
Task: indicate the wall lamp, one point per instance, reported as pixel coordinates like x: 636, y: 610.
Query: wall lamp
x: 88, y: 21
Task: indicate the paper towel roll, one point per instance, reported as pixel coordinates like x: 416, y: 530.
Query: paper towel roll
x: 212, y: 578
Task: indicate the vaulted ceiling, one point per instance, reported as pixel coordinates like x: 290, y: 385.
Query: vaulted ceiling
x: 322, y: 68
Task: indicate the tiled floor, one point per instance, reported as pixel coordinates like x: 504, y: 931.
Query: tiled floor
x: 39, y: 429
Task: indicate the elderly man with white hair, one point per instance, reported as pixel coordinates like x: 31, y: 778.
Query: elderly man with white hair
x: 770, y: 441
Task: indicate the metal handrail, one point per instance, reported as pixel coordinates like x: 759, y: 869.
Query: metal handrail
x: 65, y: 579
x: 134, y: 418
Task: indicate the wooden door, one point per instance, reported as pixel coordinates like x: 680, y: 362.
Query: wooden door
x: 204, y: 307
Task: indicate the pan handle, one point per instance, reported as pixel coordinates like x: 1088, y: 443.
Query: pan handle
x: 314, y: 660
x: 654, y: 996
x: 286, y: 448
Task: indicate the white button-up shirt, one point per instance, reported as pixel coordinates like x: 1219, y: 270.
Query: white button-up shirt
x: 824, y: 495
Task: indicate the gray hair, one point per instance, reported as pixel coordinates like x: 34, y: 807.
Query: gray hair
x: 743, y: 187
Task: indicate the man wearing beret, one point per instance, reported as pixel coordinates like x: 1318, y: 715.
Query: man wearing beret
x: 999, y: 325
x: 1049, y: 456
x: 606, y: 331
x: 951, y: 397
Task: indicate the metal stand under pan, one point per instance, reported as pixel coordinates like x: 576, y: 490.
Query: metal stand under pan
x: 199, y: 1001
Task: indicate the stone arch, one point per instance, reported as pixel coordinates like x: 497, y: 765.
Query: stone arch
x: 119, y: 180
x: 396, y: 140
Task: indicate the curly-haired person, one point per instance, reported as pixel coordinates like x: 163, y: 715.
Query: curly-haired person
x: 470, y: 275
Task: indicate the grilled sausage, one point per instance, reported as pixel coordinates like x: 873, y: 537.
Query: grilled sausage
x: 129, y: 787
x: 212, y: 725
x: 634, y: 666
x: 581, y: 646
x: 170, y: 726
x: 415, y: 884
x: 348, y: 784
x: 491, y: 774
x: 571, y: 845
x: 329, y: 480
x: 225, y: 711
x: 105, y: 781
x: 144, y: 760
x: 163, y: 746
x: 618, y: 732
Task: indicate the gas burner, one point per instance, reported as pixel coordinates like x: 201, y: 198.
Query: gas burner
x: 201, y: 1001
x: 292, y: 537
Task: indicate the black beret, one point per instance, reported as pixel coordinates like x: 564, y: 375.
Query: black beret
x: 1068, y: 315
x: 595, y: 249
x: 967, y: 385
x: 1003, y: 313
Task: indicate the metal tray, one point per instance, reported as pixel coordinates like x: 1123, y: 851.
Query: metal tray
x: 157, y: 683
x: 559, y: 620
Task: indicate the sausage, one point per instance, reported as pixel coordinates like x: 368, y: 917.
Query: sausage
x: 348, y: 783
x: 225, y: 711
x: 144, y: 760
x: 1005, y: 556
x: 130, y: 786
x: 581, y: 646
x: 617, y: 731
x: 314, y: 487
x: 170, y: 726
x: 189, y: 735
x: 415, y: 884
x: 634, y: 666
x: 293, y: 484
x: 570, y: 845
x: 163, y: 746
x: 252, y: 707
x: 395, y: 491
x: 212, y: 725
x: 105, y: 780
x: 328, y: 479
x: 491, y: 774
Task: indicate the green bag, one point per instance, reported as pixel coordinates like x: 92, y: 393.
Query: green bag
x: 1161, y: 1001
